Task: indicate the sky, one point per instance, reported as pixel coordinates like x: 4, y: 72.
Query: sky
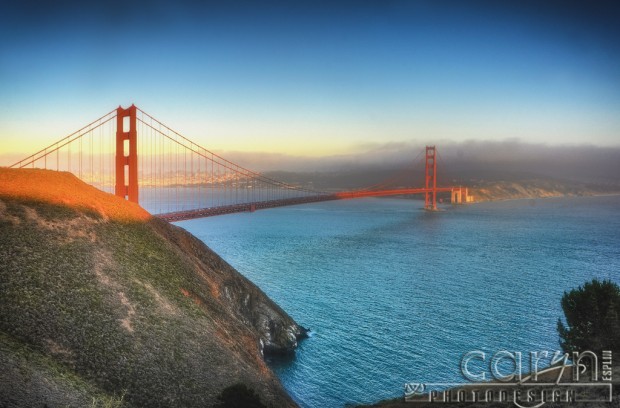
x: 313, y: 78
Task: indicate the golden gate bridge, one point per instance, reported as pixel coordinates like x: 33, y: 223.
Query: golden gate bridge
x: 131, y: 154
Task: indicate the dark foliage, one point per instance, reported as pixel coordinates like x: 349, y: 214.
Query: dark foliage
x: 592, y: 314
x: 239, y: 396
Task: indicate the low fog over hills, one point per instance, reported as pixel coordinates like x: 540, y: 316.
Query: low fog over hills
x: 471, y: 163
x: 467, y: 163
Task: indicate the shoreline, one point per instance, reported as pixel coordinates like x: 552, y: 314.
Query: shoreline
x: 494, y: 200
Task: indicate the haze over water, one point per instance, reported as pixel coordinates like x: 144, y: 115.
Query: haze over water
x: 394, y: 294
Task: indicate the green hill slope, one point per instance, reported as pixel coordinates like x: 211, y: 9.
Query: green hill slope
x: 100, y: 302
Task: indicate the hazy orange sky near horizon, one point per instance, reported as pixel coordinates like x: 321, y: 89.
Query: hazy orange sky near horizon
x: 315, y: 78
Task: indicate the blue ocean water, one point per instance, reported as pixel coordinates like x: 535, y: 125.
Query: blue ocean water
x: 394, y: 294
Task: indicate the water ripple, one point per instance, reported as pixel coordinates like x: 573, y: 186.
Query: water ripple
x: 394, y: 294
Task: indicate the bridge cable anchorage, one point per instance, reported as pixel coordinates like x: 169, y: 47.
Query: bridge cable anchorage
x: 139, y: 158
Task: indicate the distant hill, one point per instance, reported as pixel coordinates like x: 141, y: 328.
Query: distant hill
x: 535, y: 188
x: 494, y: 187
x: 103, y: 305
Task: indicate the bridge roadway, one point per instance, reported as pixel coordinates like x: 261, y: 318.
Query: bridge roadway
x: 260, y: 205
x: 401, y: 191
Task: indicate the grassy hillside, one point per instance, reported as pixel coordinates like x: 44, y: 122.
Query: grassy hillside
x: 102, y: 305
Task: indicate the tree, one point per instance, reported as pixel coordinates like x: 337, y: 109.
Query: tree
x: 592, y: 315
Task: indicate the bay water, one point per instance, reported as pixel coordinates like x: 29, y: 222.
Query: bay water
x: 394, y: 294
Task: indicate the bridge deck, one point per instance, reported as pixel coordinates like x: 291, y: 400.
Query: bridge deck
x: 260, y: 205
x: 245, y: 207
x: 401, y: 191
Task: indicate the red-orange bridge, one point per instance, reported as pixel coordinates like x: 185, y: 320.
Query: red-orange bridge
x: 133, y: 155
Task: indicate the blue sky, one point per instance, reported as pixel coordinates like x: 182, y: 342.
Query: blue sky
x: 315, y: 78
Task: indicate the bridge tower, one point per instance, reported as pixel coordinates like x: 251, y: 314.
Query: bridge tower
x: 430, y: 197
x: 126, y: 154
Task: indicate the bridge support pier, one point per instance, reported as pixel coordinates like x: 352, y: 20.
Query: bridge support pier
x: 126, y: 155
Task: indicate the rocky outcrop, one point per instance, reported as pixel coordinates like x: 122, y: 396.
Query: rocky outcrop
x: 279, y: 333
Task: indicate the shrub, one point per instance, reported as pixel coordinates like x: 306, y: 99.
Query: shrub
x: 592, y: 313
x: 239, y: 396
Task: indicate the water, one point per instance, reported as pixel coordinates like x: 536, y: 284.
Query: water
x: 394, y: 294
